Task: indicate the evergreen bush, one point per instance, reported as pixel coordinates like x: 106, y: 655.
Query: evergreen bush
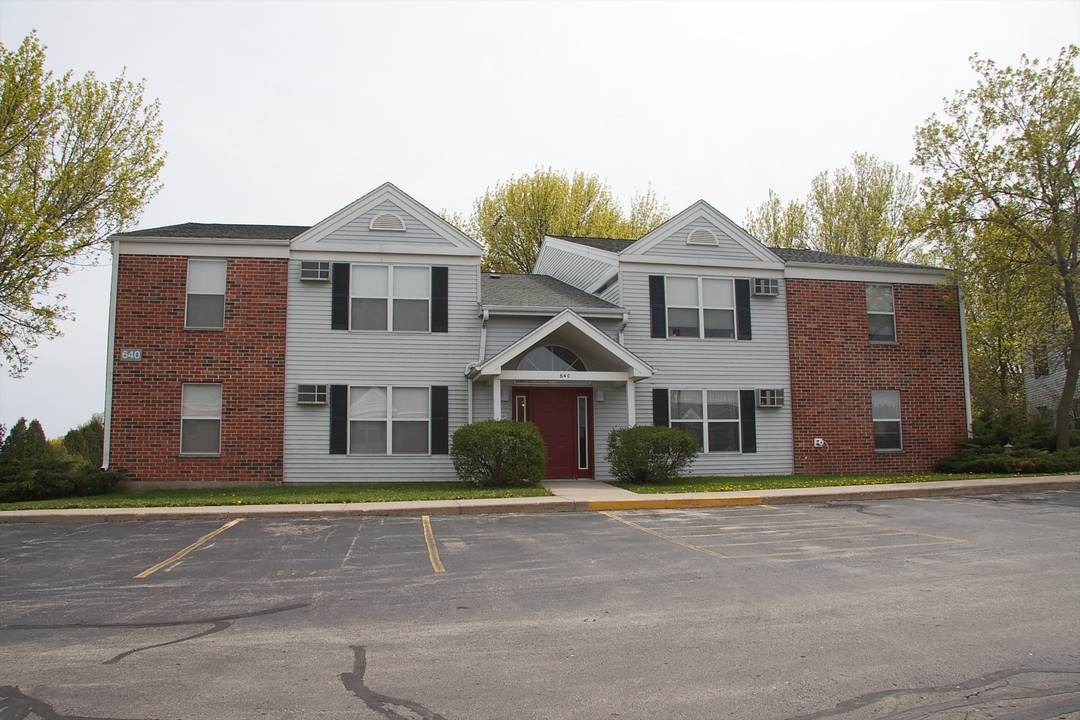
x: 499, y: 453
x: 649, y: 454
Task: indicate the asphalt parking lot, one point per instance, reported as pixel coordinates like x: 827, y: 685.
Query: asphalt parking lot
x: 942, y: 608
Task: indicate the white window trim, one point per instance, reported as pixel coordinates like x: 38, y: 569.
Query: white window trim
x: 701, y: 306
x: 705, y: 418
x: 898, y: 420
x: 869, y: 312
x: 183, y: 417
x: 389, y: 420
x: 188, y: 293
x: 390, y: 298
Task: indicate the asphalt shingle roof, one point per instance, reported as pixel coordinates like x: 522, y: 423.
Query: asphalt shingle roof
x: 219, y: 231
x: 535, y: 291
x: 825, y: 258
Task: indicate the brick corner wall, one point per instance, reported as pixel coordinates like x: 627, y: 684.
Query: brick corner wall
x: 247, y: 357
x: 835, y: 368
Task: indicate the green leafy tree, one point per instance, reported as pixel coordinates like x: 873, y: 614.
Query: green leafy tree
x: 512, y: 218
x: 1002, y: 196
x: 861, y: 210
x: 87, y: 441
x: 79, y: 159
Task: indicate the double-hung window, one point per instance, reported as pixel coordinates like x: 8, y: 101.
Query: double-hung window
x: 395, y: 297
x: 200, y: 419
x: 881, y: 313
x: 701, y: 307
x: 205, y: 295
x: 389, y: 420
x: 711, y: 417
x: 886, y: 405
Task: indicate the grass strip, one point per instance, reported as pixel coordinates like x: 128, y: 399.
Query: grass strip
x: 280, y: 494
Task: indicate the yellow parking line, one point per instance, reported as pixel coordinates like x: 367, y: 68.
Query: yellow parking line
x: 205, y: 538
x: 432, y: 549
x: 658, y: 534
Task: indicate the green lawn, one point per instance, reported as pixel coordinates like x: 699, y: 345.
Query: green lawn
x: 775, y: 482
x: 277, y: 494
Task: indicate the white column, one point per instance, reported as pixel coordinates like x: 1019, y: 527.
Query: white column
x: 496, y: 398
x: 631, y: 403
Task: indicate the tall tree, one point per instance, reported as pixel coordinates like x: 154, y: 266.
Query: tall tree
x: 79, y: 159
x: 1002, y: 195
x: 861, y: 210
x: 512, y: 218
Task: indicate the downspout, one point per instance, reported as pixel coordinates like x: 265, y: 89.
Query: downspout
x: 622, y: 327
x: 964, y: 355
x: 111, y: 344
x: 480, y: 359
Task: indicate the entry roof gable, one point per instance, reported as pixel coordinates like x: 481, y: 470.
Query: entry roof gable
x: 440, y: 237
x: 637, y: 367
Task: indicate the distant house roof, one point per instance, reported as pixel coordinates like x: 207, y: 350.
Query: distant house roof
x: 536, y: 291
x: 219, y: 231
x: 609, y: 244
x: 817, y: 257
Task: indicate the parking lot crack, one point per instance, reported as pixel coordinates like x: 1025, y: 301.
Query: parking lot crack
x: 385, y: 705
x: 16, y: 705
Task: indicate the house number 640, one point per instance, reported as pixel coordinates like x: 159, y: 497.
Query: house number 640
x: 564, y: 376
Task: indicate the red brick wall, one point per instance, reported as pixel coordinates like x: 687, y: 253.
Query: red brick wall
x: 835, y: 368
x: 247, y: 357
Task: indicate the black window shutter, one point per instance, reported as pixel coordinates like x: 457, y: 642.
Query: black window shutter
x: 339, y: 419
x: 440, y: 304
x: 440, y: 420
x: 339, y: 296
x: 657, y: 306
x: 742, y: 309
x: 747, y: 411
x: 660, y: 415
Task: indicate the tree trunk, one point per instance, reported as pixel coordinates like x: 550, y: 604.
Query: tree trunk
x: 1063, y: 417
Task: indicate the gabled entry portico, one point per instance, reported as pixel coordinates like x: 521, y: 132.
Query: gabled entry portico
x: 549, y: 376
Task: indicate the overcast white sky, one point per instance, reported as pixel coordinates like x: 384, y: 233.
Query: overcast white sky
x: 284, y: 112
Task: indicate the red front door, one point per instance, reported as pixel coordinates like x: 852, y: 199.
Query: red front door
x: 564, y: 416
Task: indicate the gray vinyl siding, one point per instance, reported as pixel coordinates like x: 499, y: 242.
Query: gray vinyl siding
x: 504, y: 331
x: 584, y: 272
x: 719, y: 364
x: 317, y: 354
x: 726, y: 249
x: 416, y: 232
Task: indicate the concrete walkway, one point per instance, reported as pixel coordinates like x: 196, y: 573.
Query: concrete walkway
x: 569, y: 496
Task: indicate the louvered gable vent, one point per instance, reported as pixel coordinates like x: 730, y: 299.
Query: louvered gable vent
x: 701, y: 236
x: 388, y: 221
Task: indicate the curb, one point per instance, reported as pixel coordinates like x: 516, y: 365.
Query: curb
x: 493, y: 506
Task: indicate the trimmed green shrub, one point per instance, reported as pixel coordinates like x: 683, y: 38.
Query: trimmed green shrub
x: 1032, y: 442
x: 649, y: 454
x: 499, y: 453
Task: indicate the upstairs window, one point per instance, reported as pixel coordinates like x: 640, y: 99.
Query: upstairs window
x: 881, y: 314
x: 700, y: 307
x: 551, y: 358
x: 887, y: 434
x: 205, y: 295
x: 390, y: 297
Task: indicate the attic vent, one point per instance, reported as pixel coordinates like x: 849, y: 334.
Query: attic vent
x: 388, y: 221
x: 770, y: 398
x: 766, y: 286
x: 701, y: 236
